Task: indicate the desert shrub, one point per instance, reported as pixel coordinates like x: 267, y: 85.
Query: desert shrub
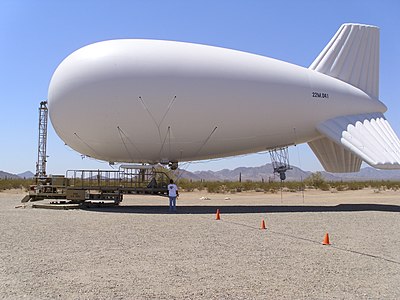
x: 7, y: 184
x: 213, y: 186
x: 295, y: 185
x: 187, y: 185
x: 325, y: 186
x: 317, y: 181
x: 314, y: 181
x: 355, y: 186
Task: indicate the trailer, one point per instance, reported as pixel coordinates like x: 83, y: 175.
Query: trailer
x: 100, y: 186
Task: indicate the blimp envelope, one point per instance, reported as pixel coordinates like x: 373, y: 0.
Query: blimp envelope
x: 153, y: 101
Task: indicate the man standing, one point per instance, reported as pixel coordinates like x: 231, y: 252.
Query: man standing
x: 172, y: 194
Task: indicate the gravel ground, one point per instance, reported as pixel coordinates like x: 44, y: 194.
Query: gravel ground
x: 139, y: 251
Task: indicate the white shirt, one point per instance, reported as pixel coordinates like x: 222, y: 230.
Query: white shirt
x: 172, y: 188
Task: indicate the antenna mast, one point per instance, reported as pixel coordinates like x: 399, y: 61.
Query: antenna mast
x: 42, y: 157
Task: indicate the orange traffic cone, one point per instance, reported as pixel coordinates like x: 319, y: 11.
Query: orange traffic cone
x: 326, y: 239
x: 217, y: 216
x: 263, y: 224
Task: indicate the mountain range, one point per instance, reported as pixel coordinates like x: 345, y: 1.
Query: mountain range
x: 25, y: 175
x: 264, y: 172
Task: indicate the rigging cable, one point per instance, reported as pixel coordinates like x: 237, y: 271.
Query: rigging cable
x: 201, y: 147
x: 123, y: 142
x: 163, y: 143
x: 94, y: 151
x: 129, y: 140
x: 158, y: 124
x: 168, y: 108
x: 206, y: 141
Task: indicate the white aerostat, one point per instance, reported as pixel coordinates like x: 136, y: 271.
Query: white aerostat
x: 150, y: 101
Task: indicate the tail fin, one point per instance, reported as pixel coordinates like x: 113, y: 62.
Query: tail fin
x: 334, y: 157
x: 352, y: 56
x: 348, y: 138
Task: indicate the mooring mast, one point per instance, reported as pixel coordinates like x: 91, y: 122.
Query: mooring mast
x: 42, y: 157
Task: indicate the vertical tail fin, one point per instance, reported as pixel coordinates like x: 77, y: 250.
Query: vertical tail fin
x: 352, y: 56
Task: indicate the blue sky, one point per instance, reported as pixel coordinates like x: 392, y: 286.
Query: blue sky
x: 37, y: 35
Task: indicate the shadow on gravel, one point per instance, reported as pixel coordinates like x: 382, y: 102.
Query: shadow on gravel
x: 142, y: 209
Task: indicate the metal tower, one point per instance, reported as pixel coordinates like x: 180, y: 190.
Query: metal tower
x: 42, y: 158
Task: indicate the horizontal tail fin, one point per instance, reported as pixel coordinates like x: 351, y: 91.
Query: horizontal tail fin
x: 368, y: 136
x: 352, y: 56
